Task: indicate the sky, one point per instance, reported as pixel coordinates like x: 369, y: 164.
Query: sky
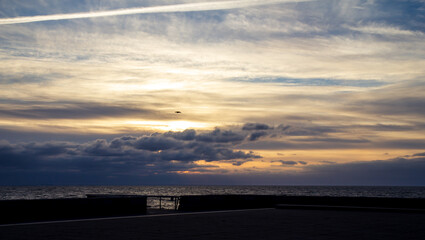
x: 274, y: 92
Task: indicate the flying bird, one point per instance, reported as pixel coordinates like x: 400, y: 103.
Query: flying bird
x: 178, y: 112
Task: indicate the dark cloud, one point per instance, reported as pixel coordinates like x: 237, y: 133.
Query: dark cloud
x: 255, y: 126
x: 328, y: 162
x: 288, y: 162
x: 306, y: 130
x: 240, y: 162
x: 386, y: 127
x: 220, y: 136
x: 188, y: 134
x: 126, y: 155
x: 399, y: 171
x: 332, y: 143
x: 311, y: 82
x: 332, y: 140
x: 401, y: 99
x: 99, y: 148
x: 256, y: 135
x: 291, y: 163
x: 399, y: 106
x: 290, y: 130
x: 119, y: 161
x: 77, y: 110
x: 402, y: 144
x: 392, y: 172
x: 283, y: 127
x: 157, y: 143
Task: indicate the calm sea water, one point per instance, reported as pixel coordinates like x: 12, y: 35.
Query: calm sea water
x: 49, y: 192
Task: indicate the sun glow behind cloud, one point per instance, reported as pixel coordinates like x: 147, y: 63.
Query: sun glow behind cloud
x: 170, y: 125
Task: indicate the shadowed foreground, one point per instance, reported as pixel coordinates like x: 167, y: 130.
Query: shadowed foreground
x: 250, y: 224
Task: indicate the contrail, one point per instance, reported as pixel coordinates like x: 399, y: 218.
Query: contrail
x: 188, y: 7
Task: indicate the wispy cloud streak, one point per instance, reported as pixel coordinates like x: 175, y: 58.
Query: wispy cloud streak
x: 190, y: 7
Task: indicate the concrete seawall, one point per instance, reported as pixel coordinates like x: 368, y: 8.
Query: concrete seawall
x: 222, y: 202
x: 13, y: 211
x: 226, y: 202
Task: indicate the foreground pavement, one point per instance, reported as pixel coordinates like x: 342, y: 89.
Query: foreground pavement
x: 240, y: 224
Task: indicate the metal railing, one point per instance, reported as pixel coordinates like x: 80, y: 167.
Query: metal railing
x: 175, y: 200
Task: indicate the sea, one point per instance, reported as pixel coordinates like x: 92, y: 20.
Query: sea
x: 53, y: 192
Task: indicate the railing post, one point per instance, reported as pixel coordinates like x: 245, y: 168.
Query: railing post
x: 160, y: 199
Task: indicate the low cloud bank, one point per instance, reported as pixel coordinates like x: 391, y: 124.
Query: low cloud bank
x: 127, y: 155
x: 391, y: 172
x: 160, y: 158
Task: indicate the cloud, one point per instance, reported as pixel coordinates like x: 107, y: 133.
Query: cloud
x: 188, y: 134
x: 332, y: 140
x: 154, y: 143
x: 388, y: 127
x: 419, y: 154
x: 391, y: 172
x: 123, y: 159
x: 313, y: 82
x: 220, y: 136
x: 188, y: 7
x: 399, y: 171
x: 160, y: 152
x: 27, y: 78
x: 386, y: 30
x: 328, y: 162
x: 290, y: 163
x: 332, y: 143
x: 404, y: 105
x: 241, y: 162
x: 306, y: 130
x: 401, y: 144
x: 75, y: 110
x: 256, y: 135
x: 255, y: 126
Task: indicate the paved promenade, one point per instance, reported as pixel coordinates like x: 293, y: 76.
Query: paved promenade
x: 242, y: 224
